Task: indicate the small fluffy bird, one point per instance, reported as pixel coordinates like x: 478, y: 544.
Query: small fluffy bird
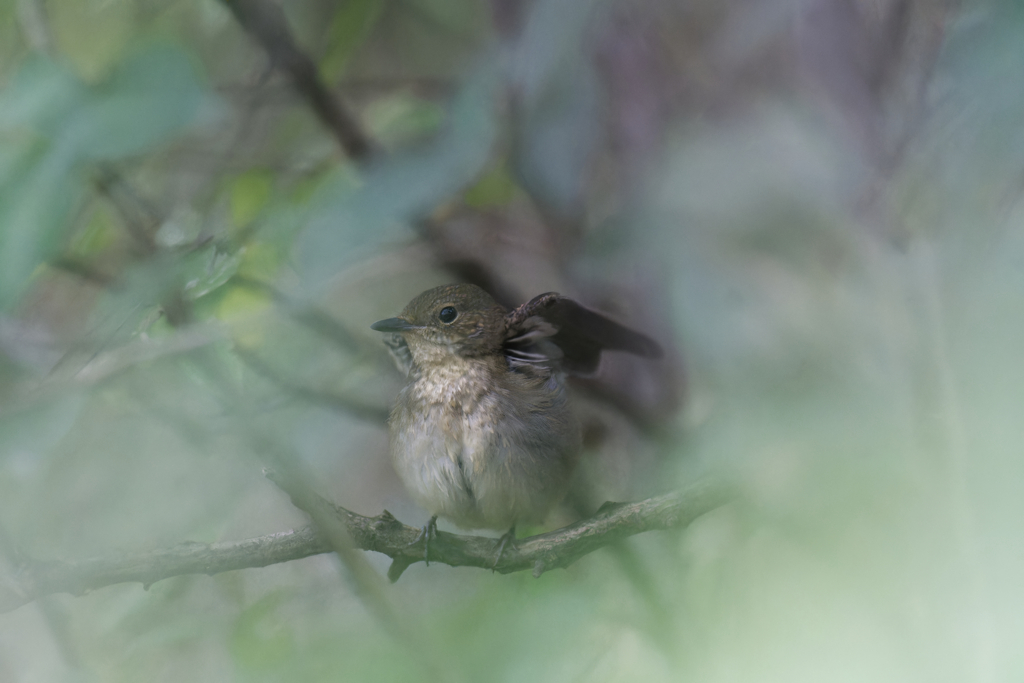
x: 483, y: 434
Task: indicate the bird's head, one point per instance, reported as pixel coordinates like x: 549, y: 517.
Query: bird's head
x: 461, y: 320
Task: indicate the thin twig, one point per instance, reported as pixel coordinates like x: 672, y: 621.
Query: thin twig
x: 383, y: 534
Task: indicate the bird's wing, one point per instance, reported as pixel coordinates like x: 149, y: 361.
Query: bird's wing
x: 400, y: 352
x: 551, y: 329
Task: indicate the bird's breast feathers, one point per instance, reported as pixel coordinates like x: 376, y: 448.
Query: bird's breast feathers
x: 463, y: 442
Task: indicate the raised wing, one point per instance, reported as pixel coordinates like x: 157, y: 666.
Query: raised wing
x: 552, y: 330
x: 400, y: 352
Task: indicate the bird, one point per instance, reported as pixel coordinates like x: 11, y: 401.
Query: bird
x: 483, y: 433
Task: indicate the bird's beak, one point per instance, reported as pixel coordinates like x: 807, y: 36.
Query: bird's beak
x: 393, y: 325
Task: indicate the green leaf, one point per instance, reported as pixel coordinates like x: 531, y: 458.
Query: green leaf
x: 36, y: 197
x: 349, y: 224
x: 352, y: 23
x: 208, y: 270
x: 402, y: 118
x: 494, y: 189
x: 152, y: 95
x: 98, y: 234
x: 40, y: 97
x: 250, y: 192
x: 561, y: 103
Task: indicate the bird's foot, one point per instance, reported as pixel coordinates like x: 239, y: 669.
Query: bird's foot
x: 509, y: 535
x: 428, y: 531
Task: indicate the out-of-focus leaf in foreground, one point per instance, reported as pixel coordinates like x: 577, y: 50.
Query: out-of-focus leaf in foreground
x: 350, y: 222
x: 52, y: 124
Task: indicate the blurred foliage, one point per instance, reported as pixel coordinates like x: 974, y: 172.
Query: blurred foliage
x: 815, y: 203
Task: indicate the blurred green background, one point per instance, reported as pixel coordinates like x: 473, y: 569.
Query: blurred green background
x: 815, y: 205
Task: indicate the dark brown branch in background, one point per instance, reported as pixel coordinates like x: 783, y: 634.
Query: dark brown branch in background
x: 266, y: 23
x: 383, y: 534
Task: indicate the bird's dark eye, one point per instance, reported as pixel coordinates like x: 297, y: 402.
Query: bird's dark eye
x: 448, y: 314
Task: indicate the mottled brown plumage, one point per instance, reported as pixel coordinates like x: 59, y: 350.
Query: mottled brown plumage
x: 483, y: 434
